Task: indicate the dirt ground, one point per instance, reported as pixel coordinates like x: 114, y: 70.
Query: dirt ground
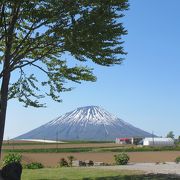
x: 162, y: 168
x: 52, y: 159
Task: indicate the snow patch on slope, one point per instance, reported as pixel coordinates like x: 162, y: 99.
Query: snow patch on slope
x: 86, y: 115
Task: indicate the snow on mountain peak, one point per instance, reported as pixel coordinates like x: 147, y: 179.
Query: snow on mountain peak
x: 84, y: 115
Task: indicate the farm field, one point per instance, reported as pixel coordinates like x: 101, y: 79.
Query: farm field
x: 36, y: 145
x: 50, y: 154
x: 107, y: 157
x: 52, y: 159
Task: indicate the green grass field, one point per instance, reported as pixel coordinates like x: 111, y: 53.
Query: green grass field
x: 93, y: 149
x: 89, y: 174
x: 74, y: 173
x: 15, y: 143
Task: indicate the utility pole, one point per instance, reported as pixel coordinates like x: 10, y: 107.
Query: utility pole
x: 8, y: 140
x: 57, y: 140
x: 13, y: 144
x: 44, y: 143
x: 153, y: 137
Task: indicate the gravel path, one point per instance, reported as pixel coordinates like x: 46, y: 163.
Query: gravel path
x: 168, y: 168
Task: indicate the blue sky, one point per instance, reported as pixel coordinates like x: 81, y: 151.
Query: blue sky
x: 144, y: 90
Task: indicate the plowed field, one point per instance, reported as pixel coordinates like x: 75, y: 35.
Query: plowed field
x: 52, y: 159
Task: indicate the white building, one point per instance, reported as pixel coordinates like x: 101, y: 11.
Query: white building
x: 158, y: 142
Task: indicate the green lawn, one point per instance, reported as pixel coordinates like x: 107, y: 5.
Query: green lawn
x: 75, y: 174
x: 91, y: 174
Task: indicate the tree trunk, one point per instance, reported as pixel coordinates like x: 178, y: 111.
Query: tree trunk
x: 9, y: 35
x: 3, y: 105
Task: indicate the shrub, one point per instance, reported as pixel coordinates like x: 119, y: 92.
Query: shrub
x: 70, y: 159
x: 33, y: 165
x: 10, y: 158
x: 177, y: 160
x: 63, y: 162
x: 91, y: 163
x: 121, y: 159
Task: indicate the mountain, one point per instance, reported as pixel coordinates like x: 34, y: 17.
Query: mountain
x: 85, y: 123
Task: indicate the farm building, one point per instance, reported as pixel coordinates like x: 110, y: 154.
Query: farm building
x: 123, y: 141
x: 158, y: 142
x: 131, y: 140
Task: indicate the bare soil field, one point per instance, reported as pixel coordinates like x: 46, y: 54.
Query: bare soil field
x: 52, y: 159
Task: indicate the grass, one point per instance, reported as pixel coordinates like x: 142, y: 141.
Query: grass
x: 93, y: 149
x: 14, y: 143
x: 49, y: 150
x: 90, y: 174
x: 74, y: 174
x: 141, y: 149
x: 24, y: 144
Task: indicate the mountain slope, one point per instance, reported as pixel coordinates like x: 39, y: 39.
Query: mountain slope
x: 85, y: 123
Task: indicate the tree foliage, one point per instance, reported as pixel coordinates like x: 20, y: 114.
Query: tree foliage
x: 11, y: 158
x: 35, y: 37
x: 170, y: 135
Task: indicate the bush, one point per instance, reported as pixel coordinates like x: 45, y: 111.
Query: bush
x: 70, y: 159
x: 10, y: 158
x: 121, y: 159
x: 33, y: 165
x: 177, y: 160
x: 91, y: 163
x: 63, y: 162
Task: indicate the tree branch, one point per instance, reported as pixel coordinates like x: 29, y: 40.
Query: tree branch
x: 9, y: 36
x: 39, y: 68
x: 31, y: 29
x: 31, y: 62
x: 17, y: 59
